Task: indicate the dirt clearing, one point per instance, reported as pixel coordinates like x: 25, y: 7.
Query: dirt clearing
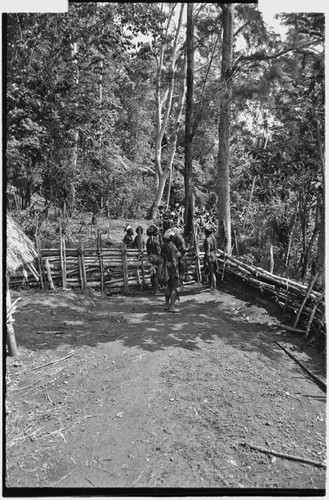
x: 115, y: 392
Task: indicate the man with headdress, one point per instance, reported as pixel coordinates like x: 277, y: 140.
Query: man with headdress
x: 210, y: 256
x: 128, y: 237
x: 179, y: 242
x: 153, y: 249
x: 170, y: 260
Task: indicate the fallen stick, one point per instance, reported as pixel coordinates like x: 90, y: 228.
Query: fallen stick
x: 51, y: 433
x: 115, y: 386
x: 28, y: 386
x: 131, y: 484
x: 49, y: 276
x: 51, y: 362
x: 89, y: 481
x: 49, y: 332
x: 62, y: 479
x: 285, y: 455
x: 311, y: 374
x: 291, y: 329
x: 47, y: 395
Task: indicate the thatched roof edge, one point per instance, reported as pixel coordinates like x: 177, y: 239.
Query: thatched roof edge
x: 20, y: 249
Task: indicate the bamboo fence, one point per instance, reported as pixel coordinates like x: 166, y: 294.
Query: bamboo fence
x: 122, y: 270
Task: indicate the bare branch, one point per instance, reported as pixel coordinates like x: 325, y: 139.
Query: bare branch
x: 262, y: 56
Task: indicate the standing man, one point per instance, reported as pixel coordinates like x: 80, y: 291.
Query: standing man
x: 179, y: 242
x: 153, y: 250
x: 170, y: 259
x: 210, y: 256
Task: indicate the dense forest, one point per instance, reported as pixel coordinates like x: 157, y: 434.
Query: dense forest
x: 133, y: 105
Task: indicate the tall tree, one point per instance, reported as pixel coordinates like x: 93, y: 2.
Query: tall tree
x: 164, y: 92
x: 174, y: 134
x: 224, y: 124
x: 188, y: 171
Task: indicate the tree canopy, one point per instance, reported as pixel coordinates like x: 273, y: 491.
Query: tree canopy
x: 95, y: 113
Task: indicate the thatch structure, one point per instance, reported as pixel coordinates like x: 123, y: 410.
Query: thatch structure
x: 20, y: 253
x: 20, y: 249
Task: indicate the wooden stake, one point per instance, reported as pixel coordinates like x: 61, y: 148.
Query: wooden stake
x: 308, y: 293
x: 50, y: 279
x: 142, y: 267
x: 84, y: 274
x: 284, y: 455
x: 40, y: 262
x: 309, y: 324
x: 124, y: 266
x: 311, y: 374
x: 61, y: 249
x: 82, y: 285
x: 271, y: 259
x: 139, y: 281
x: 33, y: 270
x: 64, y: 260
x: 100, y: 257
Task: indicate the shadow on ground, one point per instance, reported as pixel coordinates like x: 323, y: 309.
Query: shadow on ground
x: 50, y: 320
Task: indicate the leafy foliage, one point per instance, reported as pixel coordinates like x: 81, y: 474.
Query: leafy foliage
x: 80, y: 118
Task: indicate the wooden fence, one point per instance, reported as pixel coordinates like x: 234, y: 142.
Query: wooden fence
x: 121, y: 270
x: 110, y: 270
x: 307, y: 304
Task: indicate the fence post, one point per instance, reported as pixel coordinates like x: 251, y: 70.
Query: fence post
x: 62, y: 254
x: 100, y: 257
x: 50, y: 279
x: 40, y: 262
x: 83, y: 266
x: 125, y: 267
x: 82, y: 284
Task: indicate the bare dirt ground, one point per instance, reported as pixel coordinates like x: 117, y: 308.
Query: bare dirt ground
x: 116, y: 392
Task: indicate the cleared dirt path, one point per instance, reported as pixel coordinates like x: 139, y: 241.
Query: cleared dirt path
x: 153, y: 399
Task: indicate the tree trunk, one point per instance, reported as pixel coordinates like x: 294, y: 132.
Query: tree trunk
x: 74, y: 160
x: 101, y: 106
x: 321, y: 252
x: 162, y: 123
x: 223, y: 164
x: 188, y: 180
x: 291, y: 235
x: 174, y: 135
x: 156, y: 203
x: 249, y: 204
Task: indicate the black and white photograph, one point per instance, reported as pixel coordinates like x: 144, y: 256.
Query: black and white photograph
x: 164, y: 249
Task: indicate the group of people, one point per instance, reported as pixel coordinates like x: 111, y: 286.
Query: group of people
x: 131, y: 241
x: 167, y: 256
x: 170, y: 217
x: 166, y: 252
